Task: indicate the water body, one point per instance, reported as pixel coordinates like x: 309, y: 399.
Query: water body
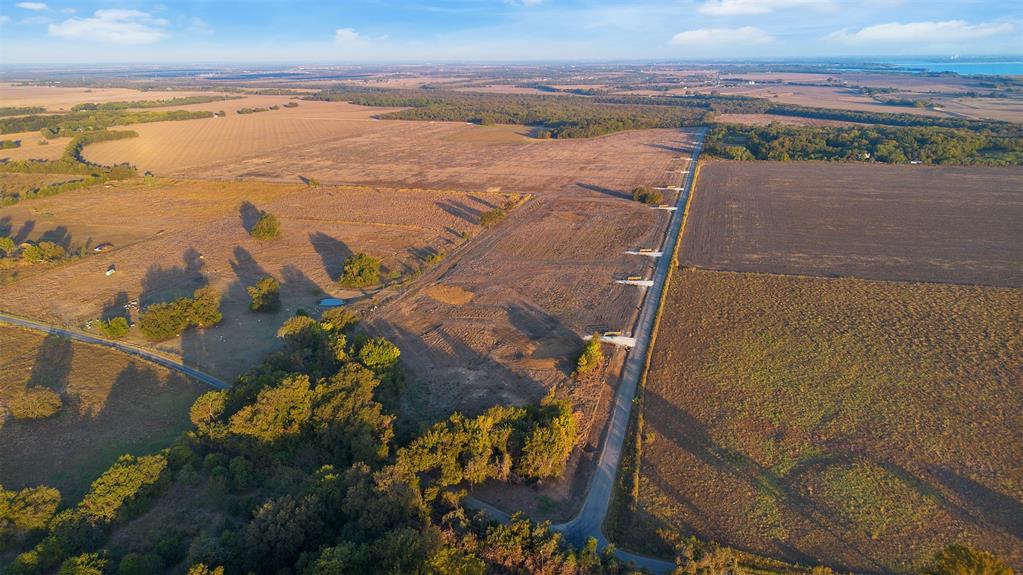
x: 964, y: 67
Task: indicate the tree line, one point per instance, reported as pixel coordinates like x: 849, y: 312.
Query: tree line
x: 139, y: 104
x: 56, y: 125
x: 893, y: 145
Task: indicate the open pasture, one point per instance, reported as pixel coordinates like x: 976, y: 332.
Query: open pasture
x: 340, y: 143
x: 174, y: 236
x: 57, y: 98
x: 112, y: 404
x: 915, y: 223
x: 854, y: 423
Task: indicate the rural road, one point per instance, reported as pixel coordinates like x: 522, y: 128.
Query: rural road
x: 124, y: 347
x: 590, y: 520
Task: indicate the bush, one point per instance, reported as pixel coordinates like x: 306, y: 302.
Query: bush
x: 963, y: 560
x: 266, y: 228
x: 591, y: 357
x: 26, y: 510
x: 114, y: 328
x: 647, y: 195
x: 360, y: 270
x: 6, y: 245
x: 265, y: 295
x: 35, y: 403
x: 492, y: 217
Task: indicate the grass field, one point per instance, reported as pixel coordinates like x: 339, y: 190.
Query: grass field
x: 111, y: 405
x: 173, y: 236
x: 957, y: 225
x: 856, y: 423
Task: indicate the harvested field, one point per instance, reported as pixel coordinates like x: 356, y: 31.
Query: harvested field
x: 173, y: 236
x: 855, y: 423
x: 339, y: 143
x: 55, y: 98
x: 33, y: 148
x: 112, y: 405
x: 915, y: 223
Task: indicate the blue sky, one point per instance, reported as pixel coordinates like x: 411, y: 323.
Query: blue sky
x: 499, y: 30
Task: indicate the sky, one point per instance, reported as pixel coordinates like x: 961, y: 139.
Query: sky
x: 363, y: 31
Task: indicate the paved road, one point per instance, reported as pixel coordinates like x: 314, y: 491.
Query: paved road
x: 126, y: 348
x: 590, y: 520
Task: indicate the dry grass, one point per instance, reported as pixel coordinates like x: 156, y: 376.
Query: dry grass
x: 112, y: 405
x: 860, y: 424
x: 55, y: 98
x: 960, y: 225
x: 171, y: 237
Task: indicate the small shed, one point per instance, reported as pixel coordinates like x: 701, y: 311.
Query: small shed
x: 331, y: 302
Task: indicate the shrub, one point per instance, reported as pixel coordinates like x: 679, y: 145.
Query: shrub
x: 591, y: 357
x: 266, y: 228
x: 647, y: 195
x: 35, y: 403
x: 360, y: 270
x: 6, y: 245
x: 114, y: 328
x: 43, y: 252
x: 84, y: 564
x: 125, y: 481
x: 492, y: 217
x: 204, y: 310
x: 963, y: 560
x: 265, y: 295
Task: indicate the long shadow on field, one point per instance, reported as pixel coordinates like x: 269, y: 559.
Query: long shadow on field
x: 604, y: 191
x: 25, y: 231
x: 536, y: 324
x: 333, y: 253
x: 116, y: 307
x: 58, y: 235
x: 691, y: 435
x: 5, y: 226
x: 162, y: 284
x: 460, y: 210
x: 483, y: 202
x: 53, y: 364
x: 674, y: 149
x: 249, y: 214
x: 139, y: 412
x: 983, y: 505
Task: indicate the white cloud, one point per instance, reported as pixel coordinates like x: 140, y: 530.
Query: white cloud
x: 524, y: 2
x: 115, y: 26
x: 348, y: 37
x: 710, y: 37
x: 4, y: 19
x: 922, y: 32
x: 750, y: 7
x: 36, y: 6
x: 199, y: 26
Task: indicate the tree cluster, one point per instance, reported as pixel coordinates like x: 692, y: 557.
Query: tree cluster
x: 265, y: 296
x: 893, y: 145
x: 591, y: 358
x: 163, y: 321
x: 360, y: 270
x: 57, y: 125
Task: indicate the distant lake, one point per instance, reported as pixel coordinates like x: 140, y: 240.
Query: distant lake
x: 990, y: 67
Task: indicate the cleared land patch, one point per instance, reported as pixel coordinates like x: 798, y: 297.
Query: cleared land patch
x: 112, y: 405
x: 856, y: 423
x: 171, y: 237
x: 914, y: 223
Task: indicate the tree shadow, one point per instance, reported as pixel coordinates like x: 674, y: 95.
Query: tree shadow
x: 605, y: 191
x: 460, y: 210
x: 249, y: 214
x: 142, y: 412
x: 24, y: 232
x: 53, y: 364
x: 116, y: 307
x: 486, y: 204
x: 985, y: 506
x: 5, y: 226
x: 333, y: 253
x: 162, y: 284
x: 674, y: 149
x: 58, y: 235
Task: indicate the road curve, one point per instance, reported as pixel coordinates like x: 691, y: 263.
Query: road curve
x: 124, y: 347
x: 590, y: 520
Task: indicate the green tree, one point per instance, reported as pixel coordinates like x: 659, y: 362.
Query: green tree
x: 646, y: 195
x: 266, y: 227
x: 492, y: 217
x: 6, y: 245
x: 379, y: 354
x: 204, y: 310
x: 338, y: 319
x: 550, y: 442
x: 207, y: 410
x: 202, y: 569
x: 85, y: 564
x: 278, y: 411
x: 140, y: 564
x: 265, y: 295
x: 115, y: 327
x: 125, y: 481
x: 591, y: 358
x: 163, y: 321
x: 360, y: 270
x: 26, y: 510
x: 963, y: 560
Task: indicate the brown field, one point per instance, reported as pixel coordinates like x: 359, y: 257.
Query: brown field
x: 339, y: 143
x: 32, y: 147
x: 854, y: 423
x: 915, y: 223
x: 820, y: 97
x: 56, y: 98
x: 112, y: 405
x: 172, y: 236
